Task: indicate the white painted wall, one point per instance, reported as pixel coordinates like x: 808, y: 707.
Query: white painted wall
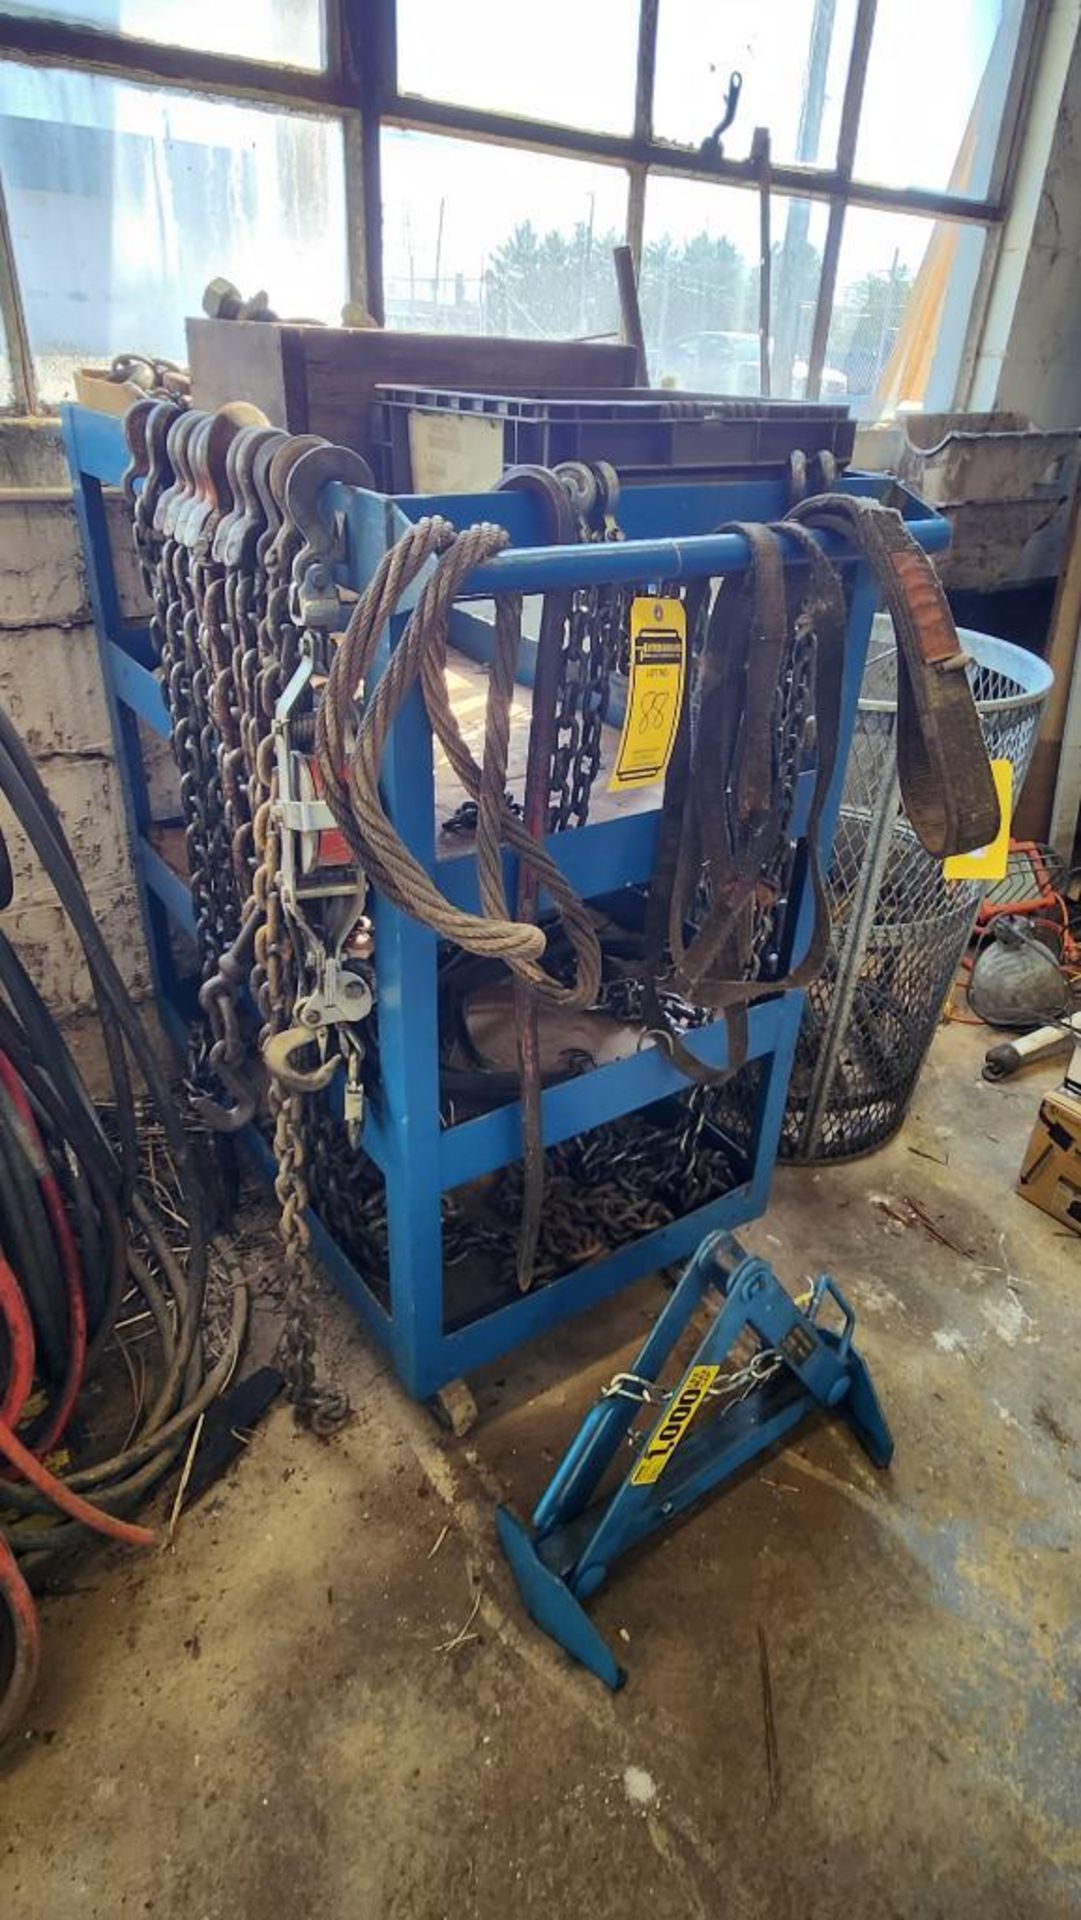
x: 1030, y: 356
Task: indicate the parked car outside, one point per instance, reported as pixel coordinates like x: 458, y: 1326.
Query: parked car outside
x: 728, y: 363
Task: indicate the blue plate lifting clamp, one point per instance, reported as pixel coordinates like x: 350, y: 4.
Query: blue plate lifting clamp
x: 714, y: 1420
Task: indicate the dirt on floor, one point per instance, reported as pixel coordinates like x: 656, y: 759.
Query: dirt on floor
x: 326, y: 1699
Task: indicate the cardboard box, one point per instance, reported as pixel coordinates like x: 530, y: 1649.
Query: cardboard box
x: 93, y: 388
x: 1051, y: 1170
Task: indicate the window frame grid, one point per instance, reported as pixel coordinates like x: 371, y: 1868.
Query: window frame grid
x: 359, y: 87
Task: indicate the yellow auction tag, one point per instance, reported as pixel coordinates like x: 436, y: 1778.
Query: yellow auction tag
x: 654, y: 693
x: 672, y: 1425
x: 990, y: 862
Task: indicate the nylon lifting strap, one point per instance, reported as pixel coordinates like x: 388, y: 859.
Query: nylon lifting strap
x: 722, y: 808
x: 946, y: 780
x: 720, y: 812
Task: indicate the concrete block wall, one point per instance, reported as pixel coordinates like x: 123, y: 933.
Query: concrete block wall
x: 51, y: 686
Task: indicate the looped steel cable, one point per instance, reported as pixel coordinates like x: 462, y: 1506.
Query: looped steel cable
x: 350, y: 772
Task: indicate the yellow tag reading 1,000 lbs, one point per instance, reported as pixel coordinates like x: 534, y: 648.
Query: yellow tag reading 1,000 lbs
x: 654, y: 693
x: 990, y: 862
x: 672, y: 1425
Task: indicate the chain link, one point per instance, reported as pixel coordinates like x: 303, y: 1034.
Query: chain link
x: 593, y: 638
x: 793, y: 718
x: 732, y: 1387
x: 226, y: 647
x: 322, y: 1407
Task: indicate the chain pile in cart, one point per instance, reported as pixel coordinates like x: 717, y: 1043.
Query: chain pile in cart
x: 280, y: 708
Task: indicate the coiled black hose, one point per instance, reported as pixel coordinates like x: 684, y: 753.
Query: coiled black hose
x: 76, y: 1235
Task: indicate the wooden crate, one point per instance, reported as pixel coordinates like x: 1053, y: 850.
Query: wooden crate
x: 323, y: 379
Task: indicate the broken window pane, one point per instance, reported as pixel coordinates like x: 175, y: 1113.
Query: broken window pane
x: 287, y: 32
x: 935, y: 90
x: 793, y: 58
x: 125, y: 200
x: 484, y: 239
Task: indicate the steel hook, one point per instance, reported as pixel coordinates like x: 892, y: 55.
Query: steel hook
x: 159, y: 473
x: 278, y: 1051
x: 212, y: 1114
x: 136, y: 420
x: 711, y: 148
x: 305, y: 482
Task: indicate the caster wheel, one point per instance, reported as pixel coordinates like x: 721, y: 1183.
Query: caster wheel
x: 455, y: 1407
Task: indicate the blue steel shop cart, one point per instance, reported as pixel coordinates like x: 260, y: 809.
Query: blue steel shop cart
x: 431, y: 1333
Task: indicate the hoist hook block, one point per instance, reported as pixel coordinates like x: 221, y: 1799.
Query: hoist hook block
x: 159, y: 471
x: 712, y: 1422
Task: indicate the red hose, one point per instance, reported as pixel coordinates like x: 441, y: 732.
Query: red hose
x: 15, y: 1316
x: 76, y: 1508
x: 69, y: 1259
x: 20, y: 1645
x: 20, y: 1637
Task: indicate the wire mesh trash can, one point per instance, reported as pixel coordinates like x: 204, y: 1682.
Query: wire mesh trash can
x: 899, y: 928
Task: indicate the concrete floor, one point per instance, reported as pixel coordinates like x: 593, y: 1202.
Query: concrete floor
x: 269, y: 1719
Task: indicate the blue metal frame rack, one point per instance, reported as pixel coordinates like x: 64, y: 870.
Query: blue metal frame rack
x: 668, y: 538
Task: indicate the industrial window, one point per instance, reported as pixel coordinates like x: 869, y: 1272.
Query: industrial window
x: 699, y: 288
x: 934, y: 123
x: 281, y: 32
x: 469, y: 168
x: 792, y: 57
x: 904, y: 294
x: 483, y: 239
x: 125, y: 200
x: 491, y: 53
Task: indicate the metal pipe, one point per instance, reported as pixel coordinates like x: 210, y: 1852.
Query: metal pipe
x: 629, y: 311
x: 850, y: 958
x: 760, y: 154
x: 636, y: 562
x: 798, y: 222
x: 851, y: 108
